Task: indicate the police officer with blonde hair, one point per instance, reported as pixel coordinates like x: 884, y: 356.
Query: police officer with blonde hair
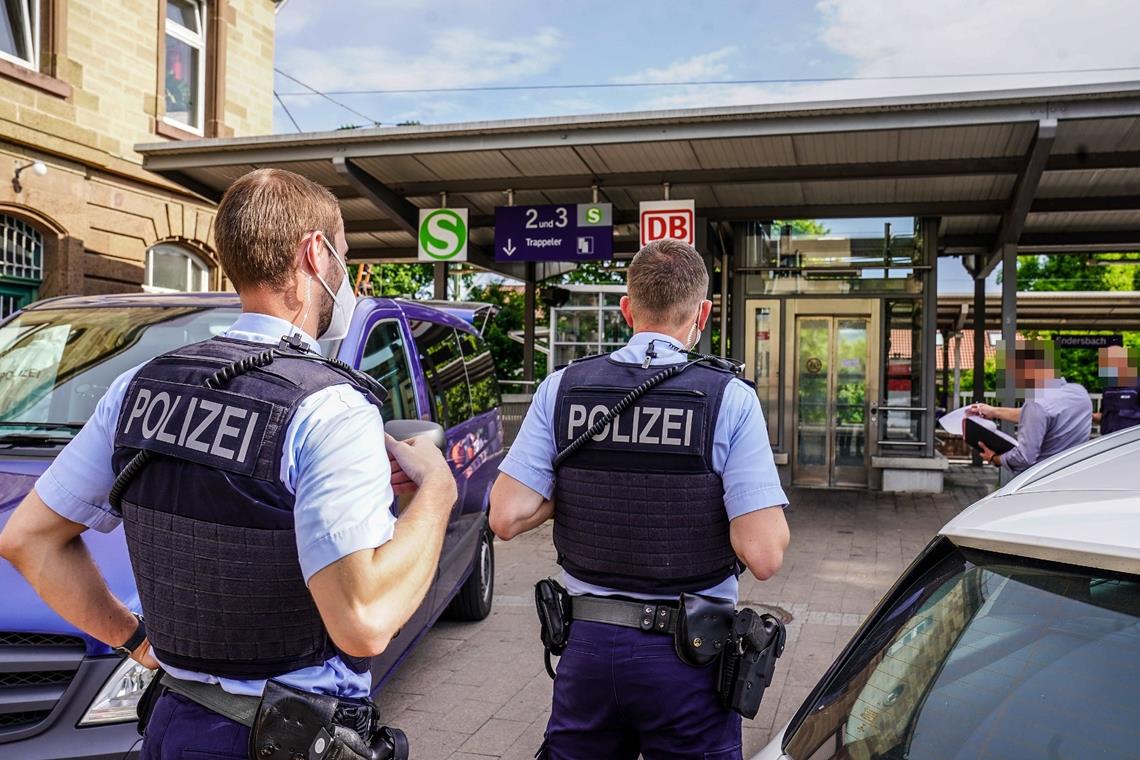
x: 657, y: 469
x: 251, y: 478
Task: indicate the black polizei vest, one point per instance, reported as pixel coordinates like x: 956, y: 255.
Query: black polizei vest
x: 639, y: 508
x: 209, y: 524
x: 1119, y: 409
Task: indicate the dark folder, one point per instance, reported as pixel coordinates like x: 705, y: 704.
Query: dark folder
x: 997, y: 441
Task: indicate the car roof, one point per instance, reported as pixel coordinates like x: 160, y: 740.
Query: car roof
x: 1081, y: 507
x: 414, y: 309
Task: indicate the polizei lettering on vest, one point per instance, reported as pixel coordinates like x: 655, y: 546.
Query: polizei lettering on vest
x: 662, y: 426
x: 210, y: 427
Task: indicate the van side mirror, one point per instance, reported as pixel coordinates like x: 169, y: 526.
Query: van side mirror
x: 402, y: 430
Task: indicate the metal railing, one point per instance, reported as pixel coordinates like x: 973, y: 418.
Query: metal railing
x: 515, y: 407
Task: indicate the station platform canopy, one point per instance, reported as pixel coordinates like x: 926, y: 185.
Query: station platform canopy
x: 1114, y: 311
x: 1045, y: 169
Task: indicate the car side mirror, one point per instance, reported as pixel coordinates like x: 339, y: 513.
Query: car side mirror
x: 402, y: 430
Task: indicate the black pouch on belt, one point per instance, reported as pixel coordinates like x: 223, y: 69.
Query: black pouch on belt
x: 553, y: 604
x: 292, y: 724
x: 703, y: 625
x: 755, y: 644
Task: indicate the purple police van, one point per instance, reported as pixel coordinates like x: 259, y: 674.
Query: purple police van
x: 65, y: 695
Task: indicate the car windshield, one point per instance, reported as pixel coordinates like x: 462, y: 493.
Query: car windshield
x: 988, y: 657
x: 55, y: 364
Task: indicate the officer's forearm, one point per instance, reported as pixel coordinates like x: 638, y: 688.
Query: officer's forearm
x: 516, y: 508
x: 49, y: 552
x: 367, y: 597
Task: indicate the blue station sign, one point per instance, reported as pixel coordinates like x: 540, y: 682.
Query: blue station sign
x: 567, y: 232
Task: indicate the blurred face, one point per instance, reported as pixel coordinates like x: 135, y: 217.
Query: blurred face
x: 1031, y: 373
x: 1116, y: 365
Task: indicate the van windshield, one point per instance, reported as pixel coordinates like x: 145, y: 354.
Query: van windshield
x: 986, y: 657
x: 55, y: 364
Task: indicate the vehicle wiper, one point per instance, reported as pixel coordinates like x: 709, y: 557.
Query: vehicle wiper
x: 41, y: 425
x: 34, y: 439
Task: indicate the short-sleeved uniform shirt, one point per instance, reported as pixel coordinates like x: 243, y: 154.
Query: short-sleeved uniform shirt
x: 334, y: 462
x: 742, y: 454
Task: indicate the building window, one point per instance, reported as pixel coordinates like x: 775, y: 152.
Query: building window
x: 185, y: 67
x: 171, y: 268
x: 20, y: 32
x: 21, y: 263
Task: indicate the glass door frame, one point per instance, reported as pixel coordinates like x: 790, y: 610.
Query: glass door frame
x: 835, y: 308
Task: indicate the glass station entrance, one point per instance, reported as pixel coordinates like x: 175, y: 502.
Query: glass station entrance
x: 835, y: 339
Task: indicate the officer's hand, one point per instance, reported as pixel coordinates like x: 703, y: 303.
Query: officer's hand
x: 144, y: 656
x: 414, y: 462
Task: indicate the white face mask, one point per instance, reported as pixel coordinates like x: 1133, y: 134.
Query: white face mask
x: 344, y: 302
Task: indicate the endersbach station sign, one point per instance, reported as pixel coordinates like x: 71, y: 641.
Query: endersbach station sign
x: 566, y: 232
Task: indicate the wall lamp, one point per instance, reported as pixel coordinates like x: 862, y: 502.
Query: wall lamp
x: 39, y: 168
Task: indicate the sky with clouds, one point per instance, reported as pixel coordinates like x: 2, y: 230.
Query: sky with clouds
x: 345, y: 46
x: 352, y: 45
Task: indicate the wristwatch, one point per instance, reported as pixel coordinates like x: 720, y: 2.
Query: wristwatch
x: 136, y: 638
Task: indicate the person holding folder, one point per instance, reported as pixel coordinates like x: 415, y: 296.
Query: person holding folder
x: 1057, y: 414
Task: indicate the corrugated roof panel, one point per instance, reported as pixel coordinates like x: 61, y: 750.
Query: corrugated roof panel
x: 761, y: 194
x: 846, y: 147
x: 970, y: 188
x: 1097, y: 135
x: 393, y: 170
x: 970, y: 225
x: 745, y: 152
x: 543, y: 162
x: 321, y: 172
x: 359, y: 208
x: 218, y: 177
x: 474, y: 165
x: 699, y: 193
x: 861, y: 191
x: 570, y: 196
x: 970, y: 141
x: 1078, y: 184
x: 484, y: 203
x: 643, y: 157
x: 1076, y: 221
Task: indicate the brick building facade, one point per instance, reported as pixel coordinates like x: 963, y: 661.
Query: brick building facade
x: 81, y: 83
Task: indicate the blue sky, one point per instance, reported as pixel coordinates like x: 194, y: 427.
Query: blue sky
x: 352, y: 45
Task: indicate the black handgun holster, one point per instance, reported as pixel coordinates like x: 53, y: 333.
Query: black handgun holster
x: 749, y: 661
x: 292, y: 724
x: 703, y: 626
x: 553, y: 604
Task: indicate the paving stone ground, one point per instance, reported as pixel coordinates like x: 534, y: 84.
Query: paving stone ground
x: 479, y: 690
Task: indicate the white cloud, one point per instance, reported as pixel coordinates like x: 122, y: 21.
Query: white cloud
x: 938, y: 37
x: 452, y: 58
x: 698, y: 67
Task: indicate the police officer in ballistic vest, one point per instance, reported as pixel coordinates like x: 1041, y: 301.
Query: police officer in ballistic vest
x: 251, y: 477
x: 1120, y: 403
x: 657, y: 470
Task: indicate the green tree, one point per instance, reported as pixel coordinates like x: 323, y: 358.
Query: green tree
x: 1073, y: 272
x: 803, y: 227
x: 507, y: 353
x: 397, y: 280
x: 596, y: 273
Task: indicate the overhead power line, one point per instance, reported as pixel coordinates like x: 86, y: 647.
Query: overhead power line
x: 315, y: 91
x: 286, y: 109
x: 705, y: 83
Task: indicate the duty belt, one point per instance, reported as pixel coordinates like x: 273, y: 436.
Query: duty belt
x: 243, y: 709
x: 655, y: 616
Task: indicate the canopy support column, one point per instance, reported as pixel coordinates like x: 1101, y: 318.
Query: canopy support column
x: 979, y: 348
x: 529, y: 307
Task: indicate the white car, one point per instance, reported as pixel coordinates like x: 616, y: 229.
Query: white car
x: 1014, y: 635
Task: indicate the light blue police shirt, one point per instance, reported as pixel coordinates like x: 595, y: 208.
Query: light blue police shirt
x: 742, y: 455
x: 335, y: 463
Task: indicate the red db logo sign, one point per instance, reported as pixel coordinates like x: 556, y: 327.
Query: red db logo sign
x: 667, y: 219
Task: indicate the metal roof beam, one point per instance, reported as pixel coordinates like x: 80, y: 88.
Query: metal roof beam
x: 1083, y: 161
x: 393, y: 205
x: 1013, y: 220
x: 735, y: 175
x: 955, y: 244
